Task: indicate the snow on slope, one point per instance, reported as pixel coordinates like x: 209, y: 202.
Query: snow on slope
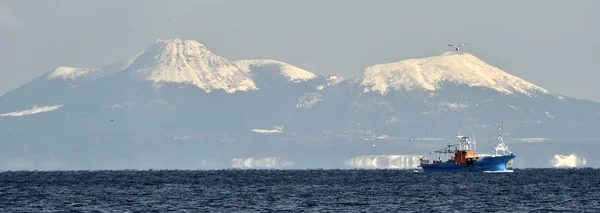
x: 75, y: 73
x: 428, y: 73
x: 276, y: 129
x: 292, y: 73
x: 189, y: 62
x: 309, y: 100
x: 32, y: 111
x: 71, y: 73
x: 334, y: 79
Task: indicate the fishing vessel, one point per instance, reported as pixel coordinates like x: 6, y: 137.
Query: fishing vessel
x: 464, y: 159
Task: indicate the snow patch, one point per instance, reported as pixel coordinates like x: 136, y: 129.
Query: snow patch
x: 292, y: 73
x: 71, y: 73
x: 443, y: 107
x: 269, y: 162
x: 384, y: 161
x: 189, y: 62
x: 454, y: 106
x: 334, y: 80
x: 32, y: 111
x: 276, y: 129
x: 183, y: 138
x: 394, y: 120
x: 309, y: 100
x: 427, y: 74
x: 531, y: 140
x: 572, y: 160
x: 377, y: 137
x: 530, y: 121
x: 513, y: 107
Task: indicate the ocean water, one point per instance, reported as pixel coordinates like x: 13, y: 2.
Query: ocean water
x: 525, y: 190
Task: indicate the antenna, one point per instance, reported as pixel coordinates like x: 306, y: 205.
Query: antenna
x: 459, y: 121
x: 500, y: 136
x: 474, y: 142
x: 501, y: 146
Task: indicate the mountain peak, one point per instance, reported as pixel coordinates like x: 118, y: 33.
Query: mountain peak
x: 292, y: 73
x: 189, y: 62
x: 452, y: 53
x: 175, y: 43
x: 428, y: 73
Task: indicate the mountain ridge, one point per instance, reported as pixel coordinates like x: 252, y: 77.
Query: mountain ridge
x: 231, y: 76
x: 146, y: 116
x: 187, y: 62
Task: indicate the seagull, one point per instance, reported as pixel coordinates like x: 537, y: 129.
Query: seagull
x: 112, y: 120
x: 452, y: 45
x: 373, y: 145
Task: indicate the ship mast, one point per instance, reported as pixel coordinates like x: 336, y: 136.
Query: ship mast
x: 501, y: 145
x: 474, y: 141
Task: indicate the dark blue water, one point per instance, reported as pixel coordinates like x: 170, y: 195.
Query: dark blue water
x: 532, y: 190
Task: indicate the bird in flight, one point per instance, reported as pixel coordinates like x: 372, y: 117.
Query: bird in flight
x: 455, y: 47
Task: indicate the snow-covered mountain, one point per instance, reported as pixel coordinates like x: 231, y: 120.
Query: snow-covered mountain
x: 428, y: 73
x: 173, y: 84
x: 56, y: 86
x: 456, y: 91
x: 189, y: 62
x: 179, y: 97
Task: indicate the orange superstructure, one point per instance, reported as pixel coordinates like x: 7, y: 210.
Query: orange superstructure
x: 465, y: 156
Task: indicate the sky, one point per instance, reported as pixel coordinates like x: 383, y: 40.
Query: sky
x: 553, y: 44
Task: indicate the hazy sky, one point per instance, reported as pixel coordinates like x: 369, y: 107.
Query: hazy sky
x: 553, y: 44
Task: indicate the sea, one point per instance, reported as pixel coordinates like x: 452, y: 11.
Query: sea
x: 310, y: 190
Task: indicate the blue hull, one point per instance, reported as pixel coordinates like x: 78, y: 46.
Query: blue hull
x: 483, y: 164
